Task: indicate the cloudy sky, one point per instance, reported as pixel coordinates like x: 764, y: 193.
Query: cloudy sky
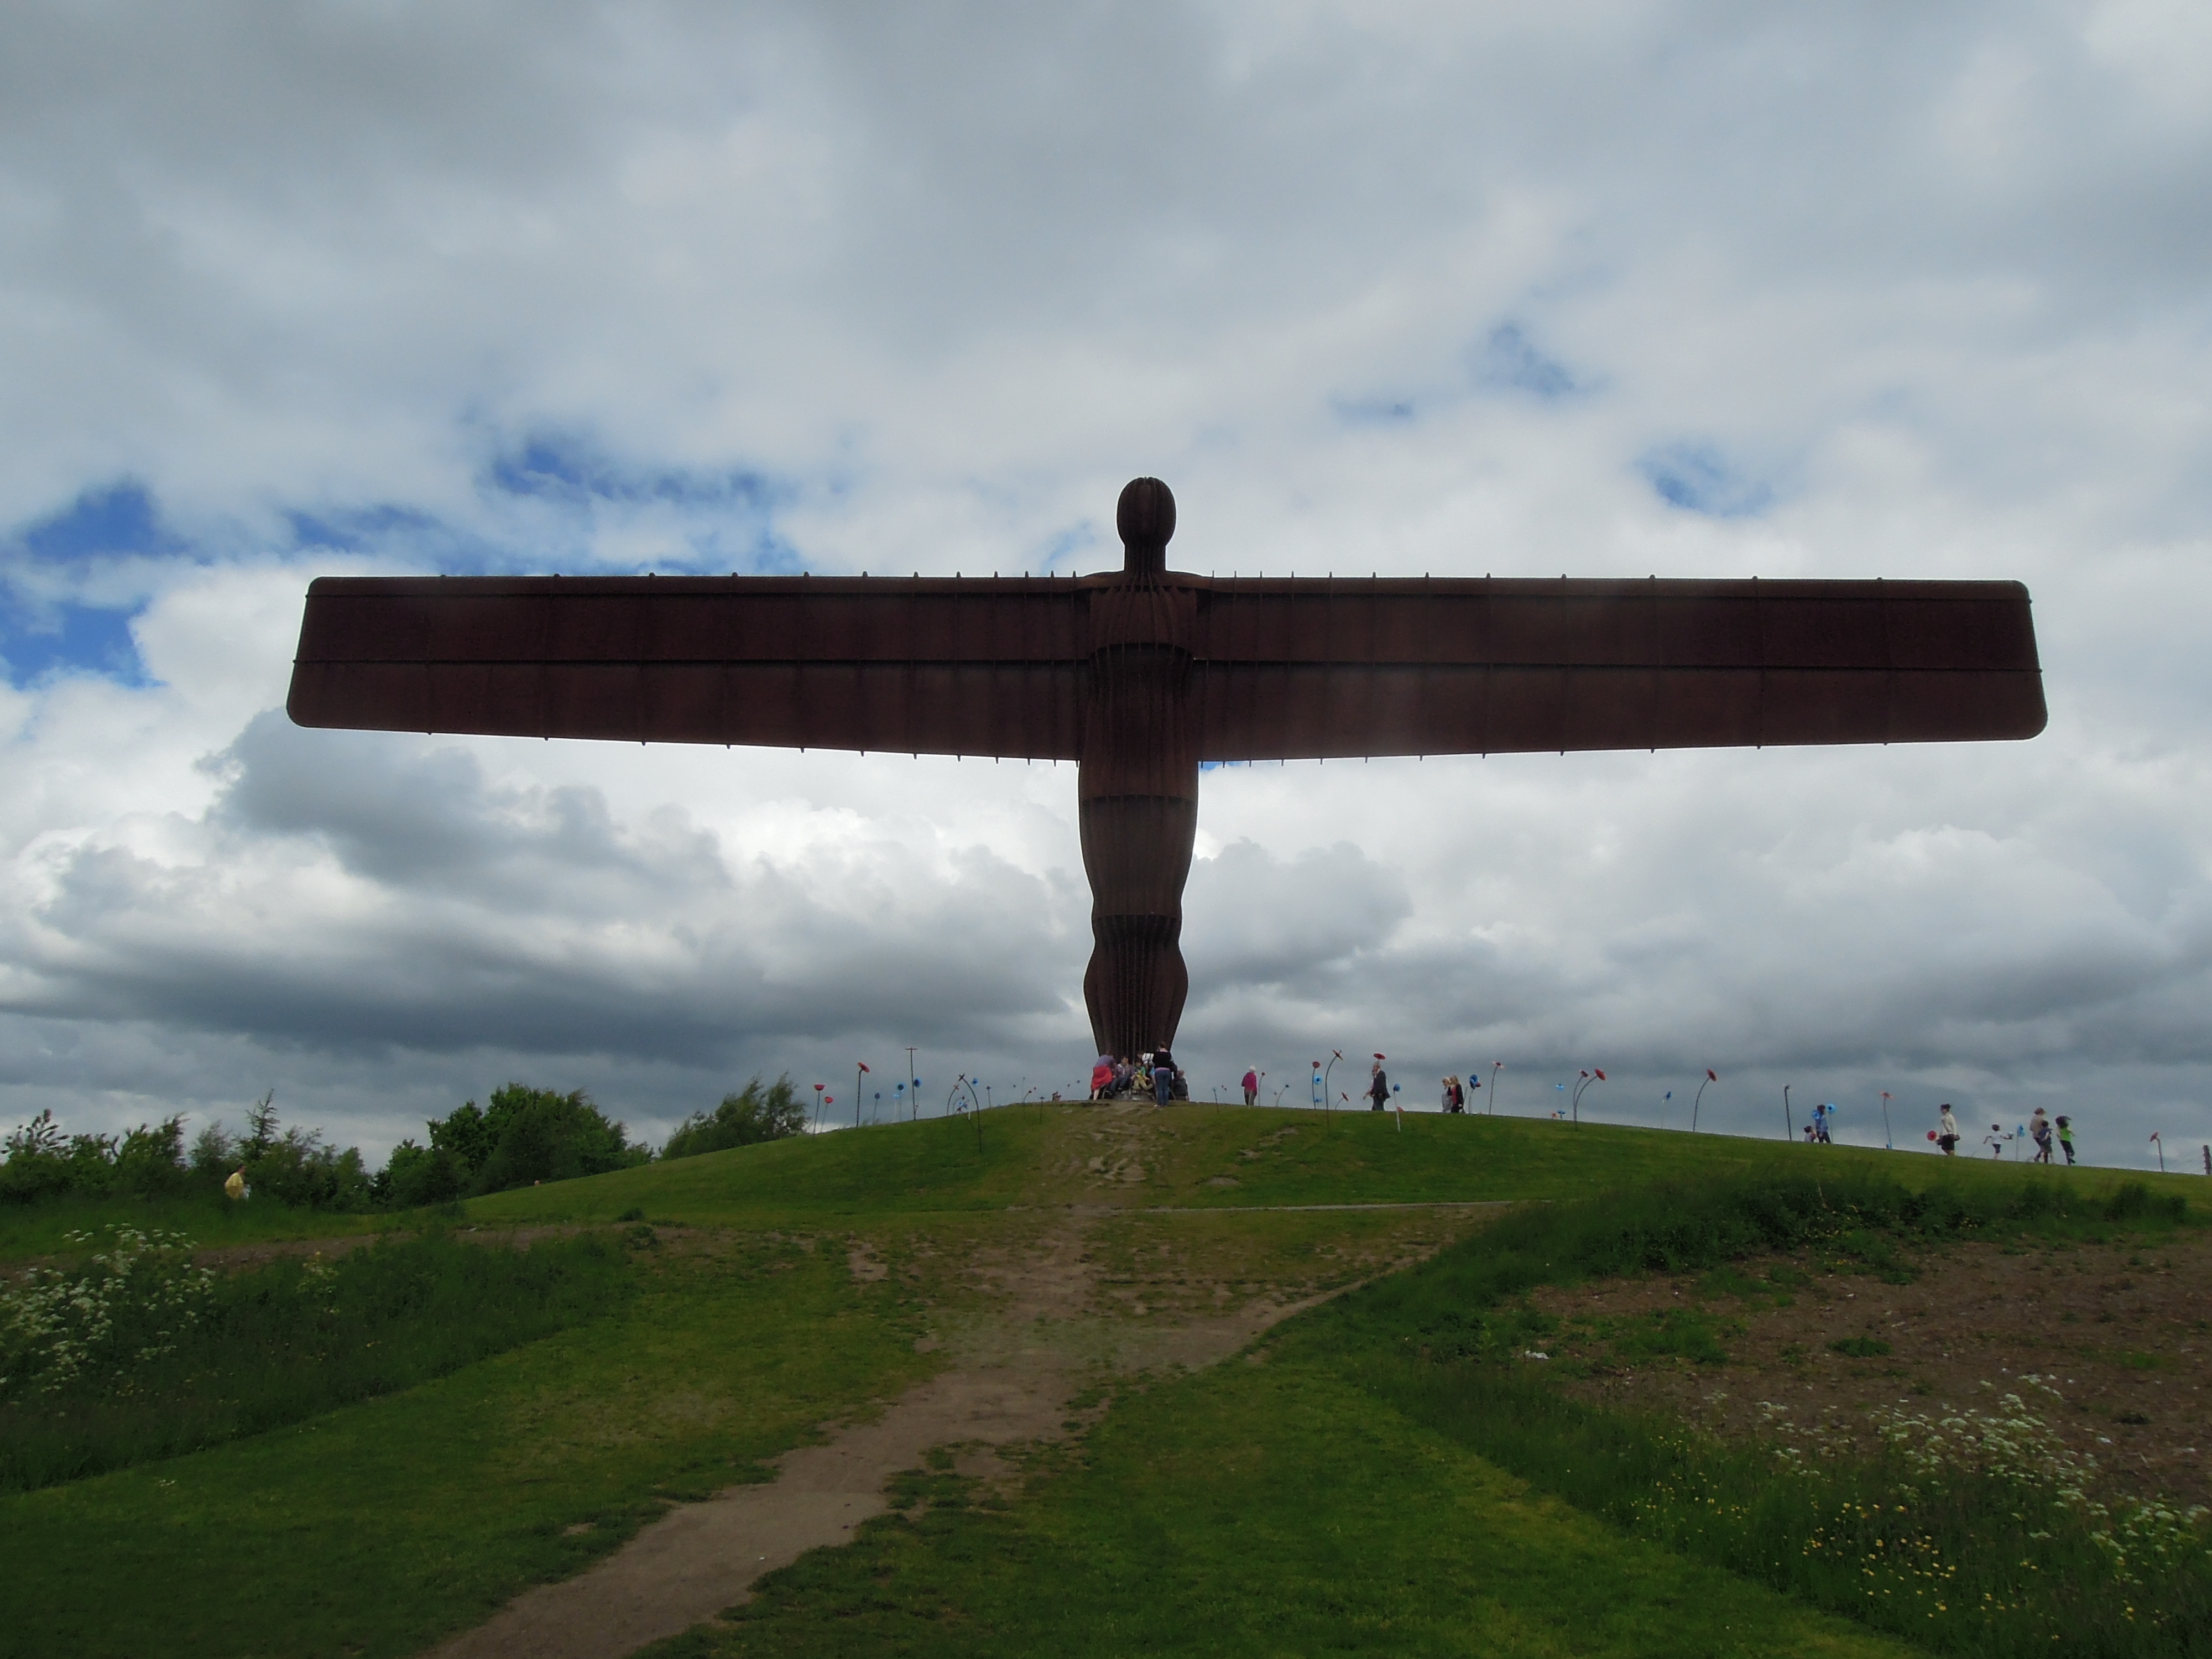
x: 1590, y: 286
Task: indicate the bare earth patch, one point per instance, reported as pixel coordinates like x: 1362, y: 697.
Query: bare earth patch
x: 2121, y: 1333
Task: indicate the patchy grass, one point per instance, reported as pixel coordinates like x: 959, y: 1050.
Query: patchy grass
x: 1970, y: 1534
x: 1259, y: 1510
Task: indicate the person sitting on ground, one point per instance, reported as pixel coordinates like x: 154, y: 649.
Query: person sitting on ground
x: 2066, y: 1137
x: 1948, y: 1134
x: 1123, y: 1073
x: 1251, y: 1086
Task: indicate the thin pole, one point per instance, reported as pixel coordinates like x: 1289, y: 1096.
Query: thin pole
x: 1496, y: 1066
x: 914, y: 1092
x: 1888, y: 1140
x: 1699, y: 1101
x: 1789, y: 1123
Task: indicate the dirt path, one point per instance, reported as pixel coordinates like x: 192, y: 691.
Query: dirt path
x: 1043, y: 1332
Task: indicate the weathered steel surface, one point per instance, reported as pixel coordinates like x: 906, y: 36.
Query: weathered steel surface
x: 1143, y: 673
x: 1292, y: 669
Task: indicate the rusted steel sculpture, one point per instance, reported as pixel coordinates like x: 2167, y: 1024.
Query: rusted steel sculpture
x: 1140, y: 675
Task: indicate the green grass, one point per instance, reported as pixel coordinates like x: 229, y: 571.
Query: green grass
x: 378, y: 1527
x: 283, y: 1342
x: 1262, y: 1509
x: 1297, y: 1158
x: 1318, y: 1502
x: 924, y: 1168
x: 934, y: 1167
x: 29, y: 1230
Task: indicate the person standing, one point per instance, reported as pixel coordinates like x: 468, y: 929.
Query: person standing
x: 1164, y: 1077
x: 2066, y: 1139
x: 1251, y: 1086
x: 1946, y: 1135
x: 1378, y: 1087
x: 2038, y: 1129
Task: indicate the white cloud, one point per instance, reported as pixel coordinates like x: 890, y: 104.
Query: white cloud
x: 1882, y: 294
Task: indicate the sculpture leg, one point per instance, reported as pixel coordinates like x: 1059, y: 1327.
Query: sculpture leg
x: 1136, y: 850
x: 1137, y: 794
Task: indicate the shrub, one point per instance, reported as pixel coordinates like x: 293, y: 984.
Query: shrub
x: 754, y: 1114
x: 43, y: 1162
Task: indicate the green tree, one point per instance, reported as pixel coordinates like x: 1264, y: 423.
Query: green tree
x: 753, y: 1114
x: 214, y: 1155
x: 417, y: 1175
x: 150, y: 1161
x: 519, y: 1136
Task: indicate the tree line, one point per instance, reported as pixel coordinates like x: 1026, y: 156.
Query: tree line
x: 519, y: 1137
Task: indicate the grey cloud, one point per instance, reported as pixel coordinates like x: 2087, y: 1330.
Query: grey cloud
x: 369, y: 894
x: 1253, y: 920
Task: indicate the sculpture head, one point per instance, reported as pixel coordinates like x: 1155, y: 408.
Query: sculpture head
x: 1146, y: 516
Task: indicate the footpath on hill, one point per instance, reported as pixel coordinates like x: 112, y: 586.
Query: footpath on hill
x: 1052, y: 1311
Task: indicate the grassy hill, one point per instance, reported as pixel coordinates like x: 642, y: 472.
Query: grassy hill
x: 1295, y: 1504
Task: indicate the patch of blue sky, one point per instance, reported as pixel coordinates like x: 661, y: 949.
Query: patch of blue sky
x: 114, y: 520
x: 359, y: 530
x: 1375, y: 411
x: 55, y: 640
x: 1076, y: 539
x: 1697, y: 477
x: 564, y: 471
x: 48, y: 626
x: 1508, y: 359
x: 718, y: 520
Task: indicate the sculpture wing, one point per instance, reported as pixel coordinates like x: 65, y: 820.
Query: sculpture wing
x: 930, y: 666
x: 1304, y: 669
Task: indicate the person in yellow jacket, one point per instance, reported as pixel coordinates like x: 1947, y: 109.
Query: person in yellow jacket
x: 235, y: 1186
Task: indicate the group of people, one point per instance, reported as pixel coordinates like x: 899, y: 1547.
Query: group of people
x: 1154, y: 1076
x: 2049, y: 1133
x: 1456, y: 1095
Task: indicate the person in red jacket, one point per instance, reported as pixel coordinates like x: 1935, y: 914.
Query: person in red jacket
x: 1251, y: 1086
